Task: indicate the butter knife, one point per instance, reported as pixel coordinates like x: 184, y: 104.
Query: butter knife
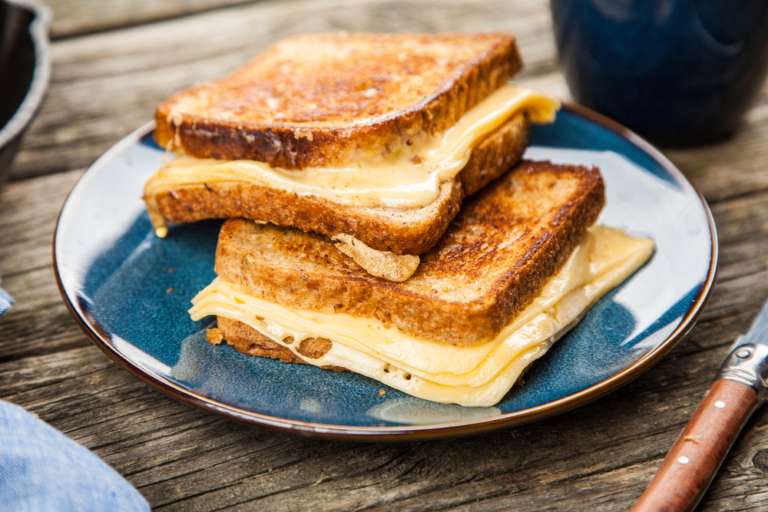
x: 738, y: 390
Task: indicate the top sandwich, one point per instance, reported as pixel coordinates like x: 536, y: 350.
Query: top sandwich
x: 320, y: 100
x: 422, y: 120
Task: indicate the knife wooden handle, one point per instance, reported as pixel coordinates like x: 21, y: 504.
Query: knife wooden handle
x: 697, y: 454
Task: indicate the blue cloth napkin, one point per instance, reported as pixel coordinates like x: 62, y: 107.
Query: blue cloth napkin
x: 43, y: 470
x: 5, y: 301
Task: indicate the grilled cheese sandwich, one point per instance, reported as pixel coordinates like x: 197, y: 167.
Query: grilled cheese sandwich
x: 389, y: 169
x: 408, y: 178
x: 352, y: 156
x: 476, y: 375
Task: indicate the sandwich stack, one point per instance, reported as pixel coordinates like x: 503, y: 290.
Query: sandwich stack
x: 381, y: 218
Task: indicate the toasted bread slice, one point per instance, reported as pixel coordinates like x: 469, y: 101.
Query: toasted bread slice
x: 493, y: 260
x: 319, y: 100
x: 399, y: 230
x: 248, y: 340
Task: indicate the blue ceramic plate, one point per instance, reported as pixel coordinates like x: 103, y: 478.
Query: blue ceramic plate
x: 130, y: 292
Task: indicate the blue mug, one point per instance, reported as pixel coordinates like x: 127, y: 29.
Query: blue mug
x: 679, y: 72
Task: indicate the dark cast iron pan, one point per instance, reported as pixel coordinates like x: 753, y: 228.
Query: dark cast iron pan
x: 25, y: 70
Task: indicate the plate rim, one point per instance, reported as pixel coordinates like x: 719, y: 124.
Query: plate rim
x: 416, y: 432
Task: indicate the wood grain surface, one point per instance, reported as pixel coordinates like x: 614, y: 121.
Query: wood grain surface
x: 598, y: 458
x: 80, y: 17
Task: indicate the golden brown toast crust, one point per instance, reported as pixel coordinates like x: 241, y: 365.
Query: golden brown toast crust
x: 403, y: 231
x: 493, y: 260
x: 248, y: 340
x: 316, y: 100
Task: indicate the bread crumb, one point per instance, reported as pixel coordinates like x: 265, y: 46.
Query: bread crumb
x: 169, y: 291
x: 382, y: 392
x: 170, y: 270
x: 214, y: 336
x: 300, y: 133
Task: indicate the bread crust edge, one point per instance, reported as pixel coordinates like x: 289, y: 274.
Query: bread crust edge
x: 296, y: 146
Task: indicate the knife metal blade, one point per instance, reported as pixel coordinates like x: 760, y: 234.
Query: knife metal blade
x: 738, y: 390
x: 758, y: 332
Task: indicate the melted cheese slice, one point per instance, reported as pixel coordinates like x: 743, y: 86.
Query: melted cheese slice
x: 477, y: 375
x: 407, y: 178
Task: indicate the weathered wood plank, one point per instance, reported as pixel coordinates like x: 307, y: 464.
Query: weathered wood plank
x: 28, y: 213
x: 41, y: 330
x: 614, y: 491
x: 78, y: 17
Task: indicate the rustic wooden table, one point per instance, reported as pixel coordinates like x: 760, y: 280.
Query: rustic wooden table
x: 113, y: 61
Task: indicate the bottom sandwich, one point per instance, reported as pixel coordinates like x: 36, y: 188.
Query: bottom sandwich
x: 517, y: 268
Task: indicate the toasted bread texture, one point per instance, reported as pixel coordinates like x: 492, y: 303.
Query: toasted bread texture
x: 249, y: 341
x: 493, y: 260
x: 317, y: 100
x: 399, y: 230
